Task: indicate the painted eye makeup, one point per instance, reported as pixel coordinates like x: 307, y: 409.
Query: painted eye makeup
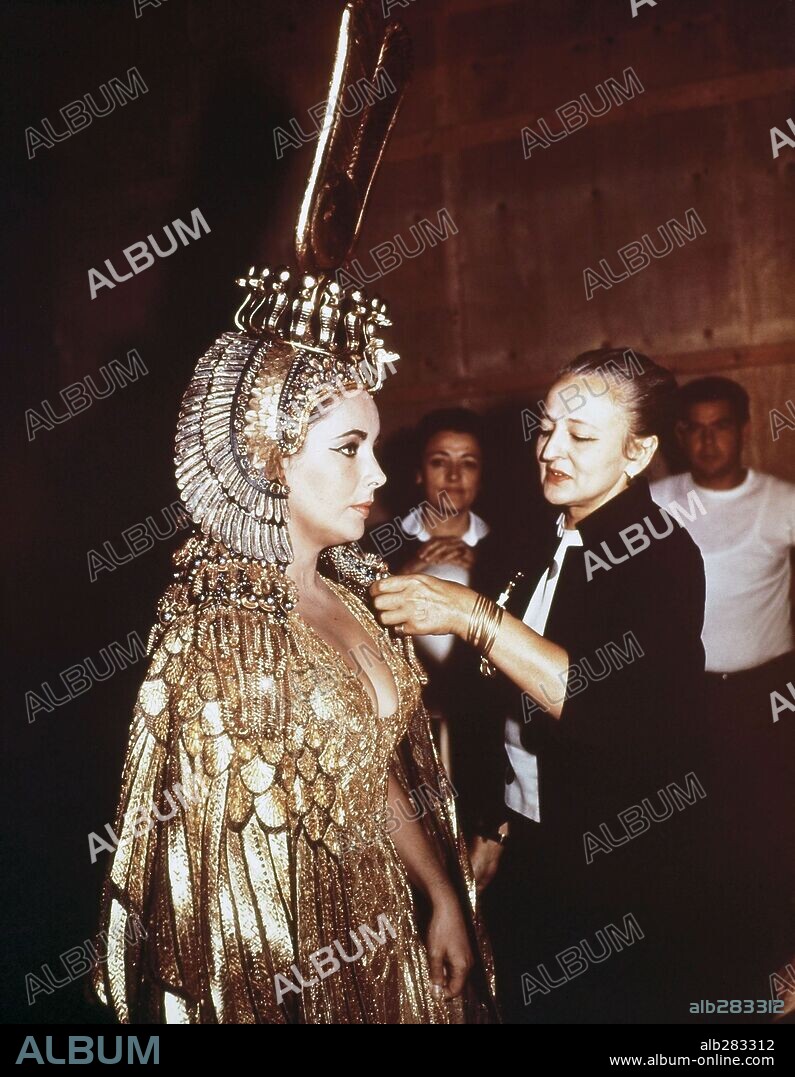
x: 349, y: 449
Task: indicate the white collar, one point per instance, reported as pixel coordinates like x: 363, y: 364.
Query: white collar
x: 412, y: 526
x: 568, y: 536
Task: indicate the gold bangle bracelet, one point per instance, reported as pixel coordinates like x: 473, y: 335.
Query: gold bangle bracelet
x: 484, y: 624
x: 482, y: 621
x: 476, y: 620
x: 493, y: 628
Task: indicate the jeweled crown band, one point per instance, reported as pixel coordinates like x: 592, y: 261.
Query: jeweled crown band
x: 252, y: 397
x: 313, y: 312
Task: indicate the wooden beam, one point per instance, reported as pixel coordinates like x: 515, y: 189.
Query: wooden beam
x: 534, y: 383
x: 688, y: 97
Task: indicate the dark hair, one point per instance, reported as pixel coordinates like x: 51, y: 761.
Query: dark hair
x: 644, y: 389
x: 709, y: 390
x: 458, y: 420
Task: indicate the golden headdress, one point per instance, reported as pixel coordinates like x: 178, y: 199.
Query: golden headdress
x: 300, y: 337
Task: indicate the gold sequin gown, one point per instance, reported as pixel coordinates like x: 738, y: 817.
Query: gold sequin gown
x: 268, y: 765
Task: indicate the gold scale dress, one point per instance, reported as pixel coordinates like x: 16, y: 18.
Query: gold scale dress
x: 280, y: 850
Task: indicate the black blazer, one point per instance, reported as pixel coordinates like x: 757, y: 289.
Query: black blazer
x: 631, y: 722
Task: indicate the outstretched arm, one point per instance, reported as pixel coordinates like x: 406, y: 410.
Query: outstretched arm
x: 423, y: 606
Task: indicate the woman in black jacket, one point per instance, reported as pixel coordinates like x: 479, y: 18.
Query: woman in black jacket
x: 605, y: 886
x: 444, y: 537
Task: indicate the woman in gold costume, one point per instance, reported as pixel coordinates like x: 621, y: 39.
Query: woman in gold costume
x: 301, y: 873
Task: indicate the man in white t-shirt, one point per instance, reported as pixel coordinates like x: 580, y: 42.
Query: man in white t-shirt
x: 746, y: 530
x: 744, y: 524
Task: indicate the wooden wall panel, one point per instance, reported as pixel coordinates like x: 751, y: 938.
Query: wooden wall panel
x: 764, y: 217
x: 552, y: 65
x: 489, y: 312
x: 513, y: 305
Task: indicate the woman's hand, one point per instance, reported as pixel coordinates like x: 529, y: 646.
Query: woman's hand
x: 485, y: 856
x: 446, y: 550
x: 423, y: 605
x: 449, y: 953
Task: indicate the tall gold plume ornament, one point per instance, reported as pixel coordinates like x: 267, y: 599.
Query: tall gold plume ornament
x: 300, y: 337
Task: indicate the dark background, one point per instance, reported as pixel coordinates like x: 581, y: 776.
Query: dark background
x: 481, y: 319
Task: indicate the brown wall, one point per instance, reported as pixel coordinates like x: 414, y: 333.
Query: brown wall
x: 486, y: 315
